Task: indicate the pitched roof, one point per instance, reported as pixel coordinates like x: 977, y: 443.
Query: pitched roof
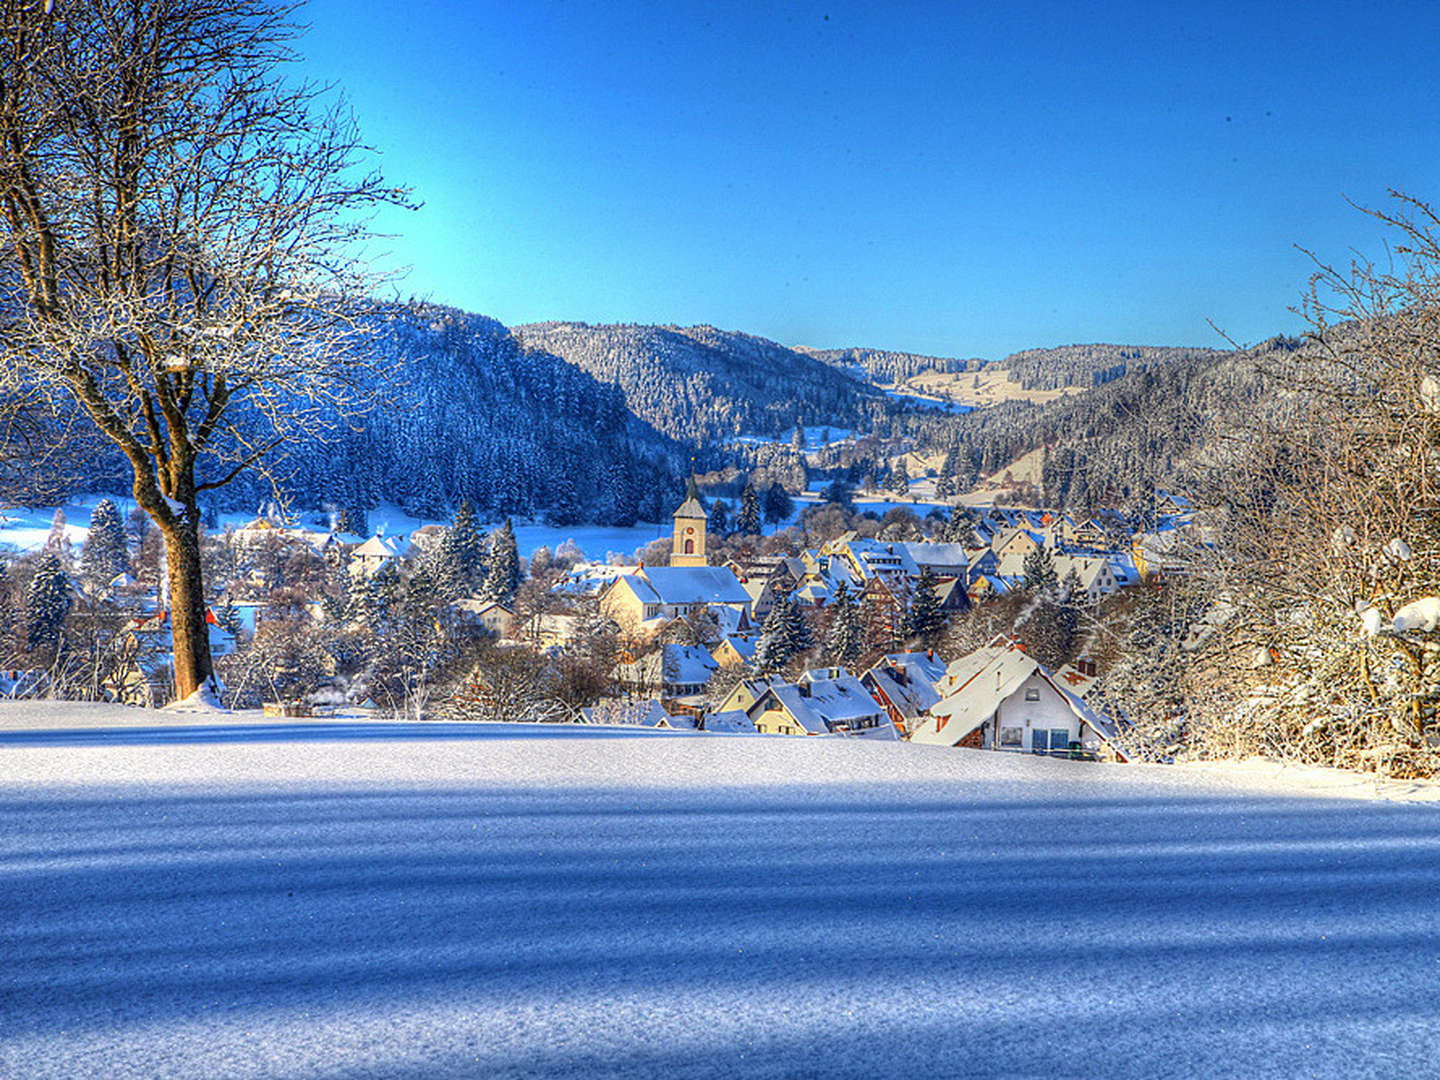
x: 383, y: 547
x: 733, y: 722
x: 822, y: 705
x: 695, y: 585
x: 977, y: 684
x: 691, y: 507
x: 908, y: 681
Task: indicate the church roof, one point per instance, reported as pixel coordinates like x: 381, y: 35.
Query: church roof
x: 691, y: 507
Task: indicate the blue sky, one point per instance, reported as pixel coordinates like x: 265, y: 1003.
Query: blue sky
x: 958, y: 179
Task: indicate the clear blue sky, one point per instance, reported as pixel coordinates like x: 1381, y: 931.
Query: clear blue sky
x: 959, y: 178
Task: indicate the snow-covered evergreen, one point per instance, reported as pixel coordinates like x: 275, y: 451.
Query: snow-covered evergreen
x: 47, y: 602
x: 106, y: 553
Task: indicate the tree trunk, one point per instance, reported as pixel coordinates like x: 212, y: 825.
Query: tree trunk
x: 190, y: 632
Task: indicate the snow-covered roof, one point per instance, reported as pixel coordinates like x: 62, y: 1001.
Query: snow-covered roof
x: 906, y: 694
x: 823, y: 705
x: 940, y: 558
x: 670, y: 666
x: 641, y: 713
x: 732, y: 722
x: 744, y: 647
x: 379, y: 547
x: 695, y: 585
x: 976, y: 685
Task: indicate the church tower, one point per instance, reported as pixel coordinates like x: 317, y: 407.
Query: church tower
x: 688, y: 546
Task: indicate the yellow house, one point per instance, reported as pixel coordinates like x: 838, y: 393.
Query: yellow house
x: 826, y: 701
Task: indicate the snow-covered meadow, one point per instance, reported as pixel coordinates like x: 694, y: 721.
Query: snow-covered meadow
x: 27, y: 528
x: 187, y: 895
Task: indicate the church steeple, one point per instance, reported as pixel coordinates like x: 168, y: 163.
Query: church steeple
x: 687, y: 548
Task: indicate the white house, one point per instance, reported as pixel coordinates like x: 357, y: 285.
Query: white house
x: 1001, y: 698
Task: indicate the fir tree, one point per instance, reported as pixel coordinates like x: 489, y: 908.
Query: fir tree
x: 47, y: 602
x: 228, y: 618
x: 1072, y: 589
x: 719, y: 519
x: 961, y: 527
x: 899, y: 481
x: 846, y: 639
x: 354, y: 520
x: 105, y: 553
x: 375, y: 600
x: 924, y: 618
x: 772, y: 651
x: 778, y: 504
x: 1039, y: 570
x: 59, y: 540
x: 748, y: 523
x: 469, y: 547
x: 503, y: 575
x: 7, y: 610
x: 797, y: 629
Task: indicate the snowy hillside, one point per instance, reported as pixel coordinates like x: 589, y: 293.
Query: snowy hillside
x: 523, y: 902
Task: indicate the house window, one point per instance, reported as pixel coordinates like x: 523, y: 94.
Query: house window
x: 1012, y: 736
x: 689, y: 547
x: 1059, y: 739
x: 1038, y: 741
x: 1032, y: 693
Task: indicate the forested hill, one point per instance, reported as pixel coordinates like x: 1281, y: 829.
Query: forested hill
x: 513, y: 429
x: 1094, y: 365
x: 1112, y: 445
x: 468, y: 414
x: 885, y: 367
x: 699, y: 384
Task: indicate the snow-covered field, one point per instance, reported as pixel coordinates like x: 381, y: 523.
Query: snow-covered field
x: 508, y: 901
x: 27, y: 528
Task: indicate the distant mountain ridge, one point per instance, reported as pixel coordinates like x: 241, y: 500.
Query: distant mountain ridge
x: 700, y: 384
x: 1095, y: 364
x: 888, y: 366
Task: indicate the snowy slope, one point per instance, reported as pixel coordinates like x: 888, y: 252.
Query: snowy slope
x: 560, y: 903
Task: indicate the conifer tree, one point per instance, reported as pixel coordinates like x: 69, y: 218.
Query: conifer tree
x: 748, y: 523
x: 924, y: 619
x: 503, y: 575
x: 778, y: 504
x: 846, y: 639
x: 961, y: 527
x: 772, y: 651
x: 59, y: 540
x: 47, y: 602
x: 228, y: 618
x: 797, y: 629
x: 1072, y: 589
x: 105, y: 553
x: 1040, y: 573
x: 7, y: 610
x: 899, y: 481
x: 719, y: 519
x: 469, y: 546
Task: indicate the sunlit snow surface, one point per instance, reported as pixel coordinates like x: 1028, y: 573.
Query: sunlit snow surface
x: 207, y: 899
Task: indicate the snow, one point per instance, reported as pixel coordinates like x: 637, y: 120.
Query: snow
x: 1372, y: 620
x: 26, y: 529
x: 1423, y: 615
x: 503, y: 901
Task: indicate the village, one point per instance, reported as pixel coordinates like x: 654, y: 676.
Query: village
x: 849, y: 638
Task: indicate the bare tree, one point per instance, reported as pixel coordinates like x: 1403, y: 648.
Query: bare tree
x: 181, y: 247
x: 1328, y: 500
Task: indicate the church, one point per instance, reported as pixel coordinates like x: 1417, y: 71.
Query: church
x: 653, y: 595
